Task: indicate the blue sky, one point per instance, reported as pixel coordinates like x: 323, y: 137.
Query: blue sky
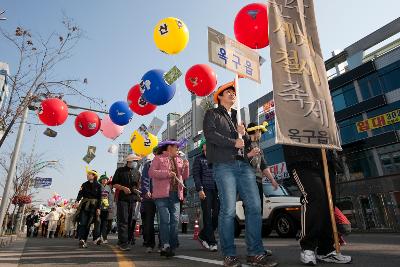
x: 119, y: 49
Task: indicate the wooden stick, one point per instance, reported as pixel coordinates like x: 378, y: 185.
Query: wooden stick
x: 329, y: 195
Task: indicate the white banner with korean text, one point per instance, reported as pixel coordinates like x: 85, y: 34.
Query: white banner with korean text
x: 303, y: 105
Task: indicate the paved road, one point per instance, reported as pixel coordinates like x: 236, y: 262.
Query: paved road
x: 367, y: 249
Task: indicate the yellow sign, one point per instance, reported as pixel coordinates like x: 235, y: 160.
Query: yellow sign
x: 379, y: 121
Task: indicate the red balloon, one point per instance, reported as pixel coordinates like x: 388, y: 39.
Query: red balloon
x: 201, y: 80
x: 136, y: 102
x: 53, y: 112
x: 251, y: 26
x: 87, y: 123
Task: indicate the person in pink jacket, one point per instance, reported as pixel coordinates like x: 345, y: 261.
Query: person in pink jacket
x: 168, y: 172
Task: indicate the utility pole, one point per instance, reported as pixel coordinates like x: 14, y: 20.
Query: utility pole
x: 11, y: 170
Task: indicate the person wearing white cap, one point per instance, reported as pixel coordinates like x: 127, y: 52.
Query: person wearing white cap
x: 126, y: 180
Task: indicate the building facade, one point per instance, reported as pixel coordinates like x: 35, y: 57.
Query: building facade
x: 365, y: 89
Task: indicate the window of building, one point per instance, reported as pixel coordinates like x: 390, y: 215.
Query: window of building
x: 361, y: 165
x: 344, y: 97
x: 348, y: 130
x: 370, y: 86
x: 391, y: 80
x: 390, y: 77
x: 338, y: 102
x: 390, y: 158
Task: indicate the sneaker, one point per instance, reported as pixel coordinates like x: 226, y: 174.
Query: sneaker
x: 213, y: 248
x: 334, y: 257
x: 268, y: 252
x: 149, y: 250
x: 124, y: 247
x: 164, y: 250
x: 82, y: 244
x: 105, y: 241
x: 97, y: 241
x: 261, y: 260
x: 232, y: 261
x: 203, y: 243
x: 307, y: 257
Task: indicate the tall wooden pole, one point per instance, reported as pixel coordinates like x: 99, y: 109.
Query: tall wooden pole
x: 330, y: 201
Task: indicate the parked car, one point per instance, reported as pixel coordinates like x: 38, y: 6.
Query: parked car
x: 281, y: 213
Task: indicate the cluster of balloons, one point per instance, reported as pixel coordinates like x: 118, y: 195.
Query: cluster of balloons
x: 57, y: 200
x: 171, y: 36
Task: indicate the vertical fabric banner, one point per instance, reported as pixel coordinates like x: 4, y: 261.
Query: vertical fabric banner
x: 303, y: 104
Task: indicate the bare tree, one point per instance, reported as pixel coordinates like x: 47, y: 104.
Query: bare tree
x: 28, y: 167
x: 34, y: 77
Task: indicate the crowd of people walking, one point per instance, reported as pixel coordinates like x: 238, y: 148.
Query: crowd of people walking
x: 231, y: 166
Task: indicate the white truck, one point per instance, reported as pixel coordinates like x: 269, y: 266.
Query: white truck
x: 281, y: 212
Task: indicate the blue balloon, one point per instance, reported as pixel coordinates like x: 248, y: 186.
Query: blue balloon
x: 155, y: 89
x: 120, y: 113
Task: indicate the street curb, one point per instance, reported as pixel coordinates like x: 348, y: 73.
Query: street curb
x: 7, y: 240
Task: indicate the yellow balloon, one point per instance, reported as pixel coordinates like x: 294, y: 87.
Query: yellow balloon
x: 143, y: 145
x: 171, y: 35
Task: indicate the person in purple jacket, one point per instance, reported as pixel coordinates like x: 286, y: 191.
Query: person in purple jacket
x: 167, y: 172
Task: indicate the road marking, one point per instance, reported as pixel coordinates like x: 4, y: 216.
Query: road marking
x: 123, y: 261
x: 203, y: 260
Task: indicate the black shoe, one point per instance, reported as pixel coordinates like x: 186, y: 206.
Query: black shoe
x: 163, y: 252
x: 232, y: 261
x: 170, y: 253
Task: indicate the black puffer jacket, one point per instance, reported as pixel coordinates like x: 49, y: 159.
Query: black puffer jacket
x: 128, y: 177
x: 221, y: 134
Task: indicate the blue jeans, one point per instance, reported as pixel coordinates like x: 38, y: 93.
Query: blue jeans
x: 232, y: 177
x: 168, y: 210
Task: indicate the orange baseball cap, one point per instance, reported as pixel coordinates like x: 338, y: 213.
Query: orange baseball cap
x: 229, y: 85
